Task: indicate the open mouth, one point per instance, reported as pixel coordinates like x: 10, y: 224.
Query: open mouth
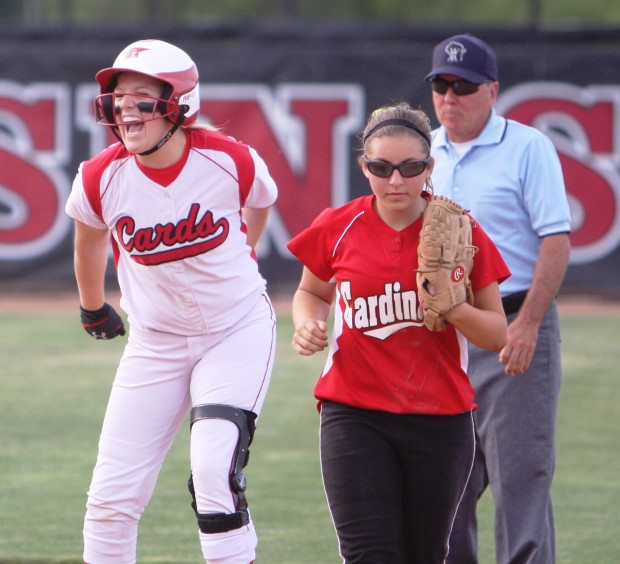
x: 132, y: 125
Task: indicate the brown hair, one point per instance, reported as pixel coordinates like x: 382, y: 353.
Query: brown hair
x: 397, y: 120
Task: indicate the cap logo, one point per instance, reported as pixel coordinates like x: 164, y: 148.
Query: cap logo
x: 455, y: 52
x: 134, y: 52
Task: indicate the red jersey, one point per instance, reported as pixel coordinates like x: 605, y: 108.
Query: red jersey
x: 381, y: 355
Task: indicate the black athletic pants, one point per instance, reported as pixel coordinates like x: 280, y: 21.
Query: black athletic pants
x: 393, y: 482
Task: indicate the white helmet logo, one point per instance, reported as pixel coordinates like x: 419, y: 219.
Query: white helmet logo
x: 133, y: 52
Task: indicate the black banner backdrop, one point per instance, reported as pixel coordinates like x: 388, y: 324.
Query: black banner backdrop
x: 300, y: 94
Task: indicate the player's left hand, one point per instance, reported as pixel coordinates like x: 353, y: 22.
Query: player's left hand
x: 102, y: 323
x: 519, y: 350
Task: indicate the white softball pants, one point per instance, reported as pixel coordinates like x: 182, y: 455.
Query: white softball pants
x: 159, y: 378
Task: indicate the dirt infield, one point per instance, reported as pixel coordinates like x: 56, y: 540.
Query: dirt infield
x: 44, y: 302
x: 63, y: 302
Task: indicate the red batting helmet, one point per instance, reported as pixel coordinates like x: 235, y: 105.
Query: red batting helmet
x: 159, y: 60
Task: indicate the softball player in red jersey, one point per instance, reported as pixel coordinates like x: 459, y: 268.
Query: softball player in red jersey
x: 184, y: 206
x: 397, y: 437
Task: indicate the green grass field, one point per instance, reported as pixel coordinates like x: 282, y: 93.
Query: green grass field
x: 54, y: 386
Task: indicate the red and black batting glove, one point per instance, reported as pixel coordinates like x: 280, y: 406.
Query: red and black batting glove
x: 103, y: 323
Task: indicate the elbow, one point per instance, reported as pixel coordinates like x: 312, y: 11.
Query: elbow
x: 495, y: 335
x: 498, y: 345
x: 499, y: 337
x: 492, y: 344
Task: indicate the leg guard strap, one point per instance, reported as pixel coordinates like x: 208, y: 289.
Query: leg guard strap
x: 218, y: 522
x: 222, y: 522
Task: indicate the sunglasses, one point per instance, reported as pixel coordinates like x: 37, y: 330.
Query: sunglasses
x: 407, y: 169
x: 459, y: 87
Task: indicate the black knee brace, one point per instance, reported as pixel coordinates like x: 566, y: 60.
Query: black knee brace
x: 246, y: 423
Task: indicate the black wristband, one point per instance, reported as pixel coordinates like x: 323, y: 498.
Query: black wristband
x: 92, y: 316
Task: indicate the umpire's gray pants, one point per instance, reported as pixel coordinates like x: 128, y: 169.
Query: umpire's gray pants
x: 515, y: 453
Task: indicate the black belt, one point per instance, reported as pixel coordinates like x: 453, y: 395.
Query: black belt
x: 513, y: 302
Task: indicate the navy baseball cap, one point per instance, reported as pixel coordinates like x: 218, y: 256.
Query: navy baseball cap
x: 464, y: 56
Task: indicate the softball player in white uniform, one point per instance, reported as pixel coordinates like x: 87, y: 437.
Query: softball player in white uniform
x: 185, y: 207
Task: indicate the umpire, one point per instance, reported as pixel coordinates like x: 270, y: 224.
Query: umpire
x: 509, y: 176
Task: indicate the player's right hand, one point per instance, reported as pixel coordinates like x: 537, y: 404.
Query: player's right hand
x: 310, y: 337
x: 102, y: 323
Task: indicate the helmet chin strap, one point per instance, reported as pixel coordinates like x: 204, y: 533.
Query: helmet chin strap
x: 163, y: 140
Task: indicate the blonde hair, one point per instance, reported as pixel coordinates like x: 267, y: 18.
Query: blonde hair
x: 203, y: 124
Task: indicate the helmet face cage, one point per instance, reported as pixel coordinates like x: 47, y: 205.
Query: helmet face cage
x: 180, y: 100
x: 107, y: 108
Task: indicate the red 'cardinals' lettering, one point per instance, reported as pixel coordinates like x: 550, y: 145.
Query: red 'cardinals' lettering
x: 206, y: 233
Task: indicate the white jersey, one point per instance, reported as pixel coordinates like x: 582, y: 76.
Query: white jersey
x: 183, y: 263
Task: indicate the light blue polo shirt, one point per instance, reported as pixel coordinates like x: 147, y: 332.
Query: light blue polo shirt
x: 511, y: 182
